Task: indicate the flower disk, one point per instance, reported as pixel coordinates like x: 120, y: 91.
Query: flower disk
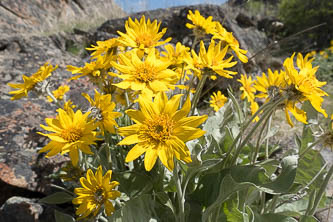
x: 161, y: 131
x: 97, y: 190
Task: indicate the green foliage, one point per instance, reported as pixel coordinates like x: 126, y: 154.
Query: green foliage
x: 298, y: 15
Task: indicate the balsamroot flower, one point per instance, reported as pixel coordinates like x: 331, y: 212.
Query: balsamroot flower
x: 149, y: 76
x: 212, y: 60
x: 97, y: 190
x: 302, y: 85
x: 70, y: 132
x: 59, y: 93
x: 30, y: 82
x: 201, y: 26
x: 217, y: 100
x: 102, y: 111
x: 161, y: 131
x: 249, y: 93
x: 223, y: 35
x: 142, y: 35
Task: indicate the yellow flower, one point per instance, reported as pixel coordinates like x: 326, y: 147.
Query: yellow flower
x: 30, y: 82
x: 161, y: 131
x: 249, y: 93
x: 142, y: 35
x: 270, y: 86
x: 108, y: 47
x: 213, y: 59
x: 96, y: 70
x: 68, y: 106
x: 247, y: 88
x: 201, y: 26
x: 97, y: 190
x: 149, y: 76
x: 176, y: 56
x: 217, y: 100
x: 302, y: 85
x: 231, y: 41
x: 59, y: 93
x: 101, y: 111
x: 70, y: 132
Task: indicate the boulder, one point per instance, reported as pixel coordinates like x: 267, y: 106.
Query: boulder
x: 18, y: 209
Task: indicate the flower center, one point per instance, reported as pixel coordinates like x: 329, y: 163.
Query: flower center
x: 95, y: 113
x: 99, y: 195
x: 273, y: 91
x: 158, y: 129
x: 144, y: 39
x: 220, y: 103
x: 71, y: 134
x: 145, y: 73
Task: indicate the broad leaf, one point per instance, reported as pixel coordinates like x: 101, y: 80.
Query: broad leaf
x: 62, y: 217
x: 57, y: 198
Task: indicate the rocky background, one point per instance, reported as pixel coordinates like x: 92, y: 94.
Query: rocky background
x: 36, y: 31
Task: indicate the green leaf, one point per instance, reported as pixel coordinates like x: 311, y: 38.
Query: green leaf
x: 235, y: 215
x: 142, y: 208
x: 273, y: 218
x: 62, y: 217
x: 57, y: 198
x: 133, y: 183
x: 227, y: 187
x: 308, y: 219
x: 311, y: 113
x: 308, y: 167
x: 286, y: 179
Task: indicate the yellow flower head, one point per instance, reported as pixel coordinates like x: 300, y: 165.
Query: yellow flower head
x: 59, y: 93
x: 247, y: 87
x: 97, y: 190
x: 108, y: 48
x: 249, y: 93
x: 70, y: 132
x: 149, y: 76
x: 227, y: 37
x: 176, y: 56
x: 101, y: 111
x: 302, y: 85
x: 30, y: 82
x: 160, y: 130
x: 142, y: 35
x: 217, y: 100
x: 95, y: 70
x: 201, y: 26
x: 214, y: 59
x: 270, y: 86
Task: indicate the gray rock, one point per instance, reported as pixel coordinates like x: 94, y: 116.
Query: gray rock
x: 19, y: 209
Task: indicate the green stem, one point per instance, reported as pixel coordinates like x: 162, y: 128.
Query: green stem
x: 198, y: 92
x: 267, y: 140
x: 321, y: 191
x: 262, y: 202
x: 49, y: 93
x: 258, y: 143
x: 268, y: 112
x: 181, y: 200
x: 273, y: 203
x: 236, y: 140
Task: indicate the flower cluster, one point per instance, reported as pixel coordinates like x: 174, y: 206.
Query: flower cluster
x: 295, y: 84
x: 143, y: 110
